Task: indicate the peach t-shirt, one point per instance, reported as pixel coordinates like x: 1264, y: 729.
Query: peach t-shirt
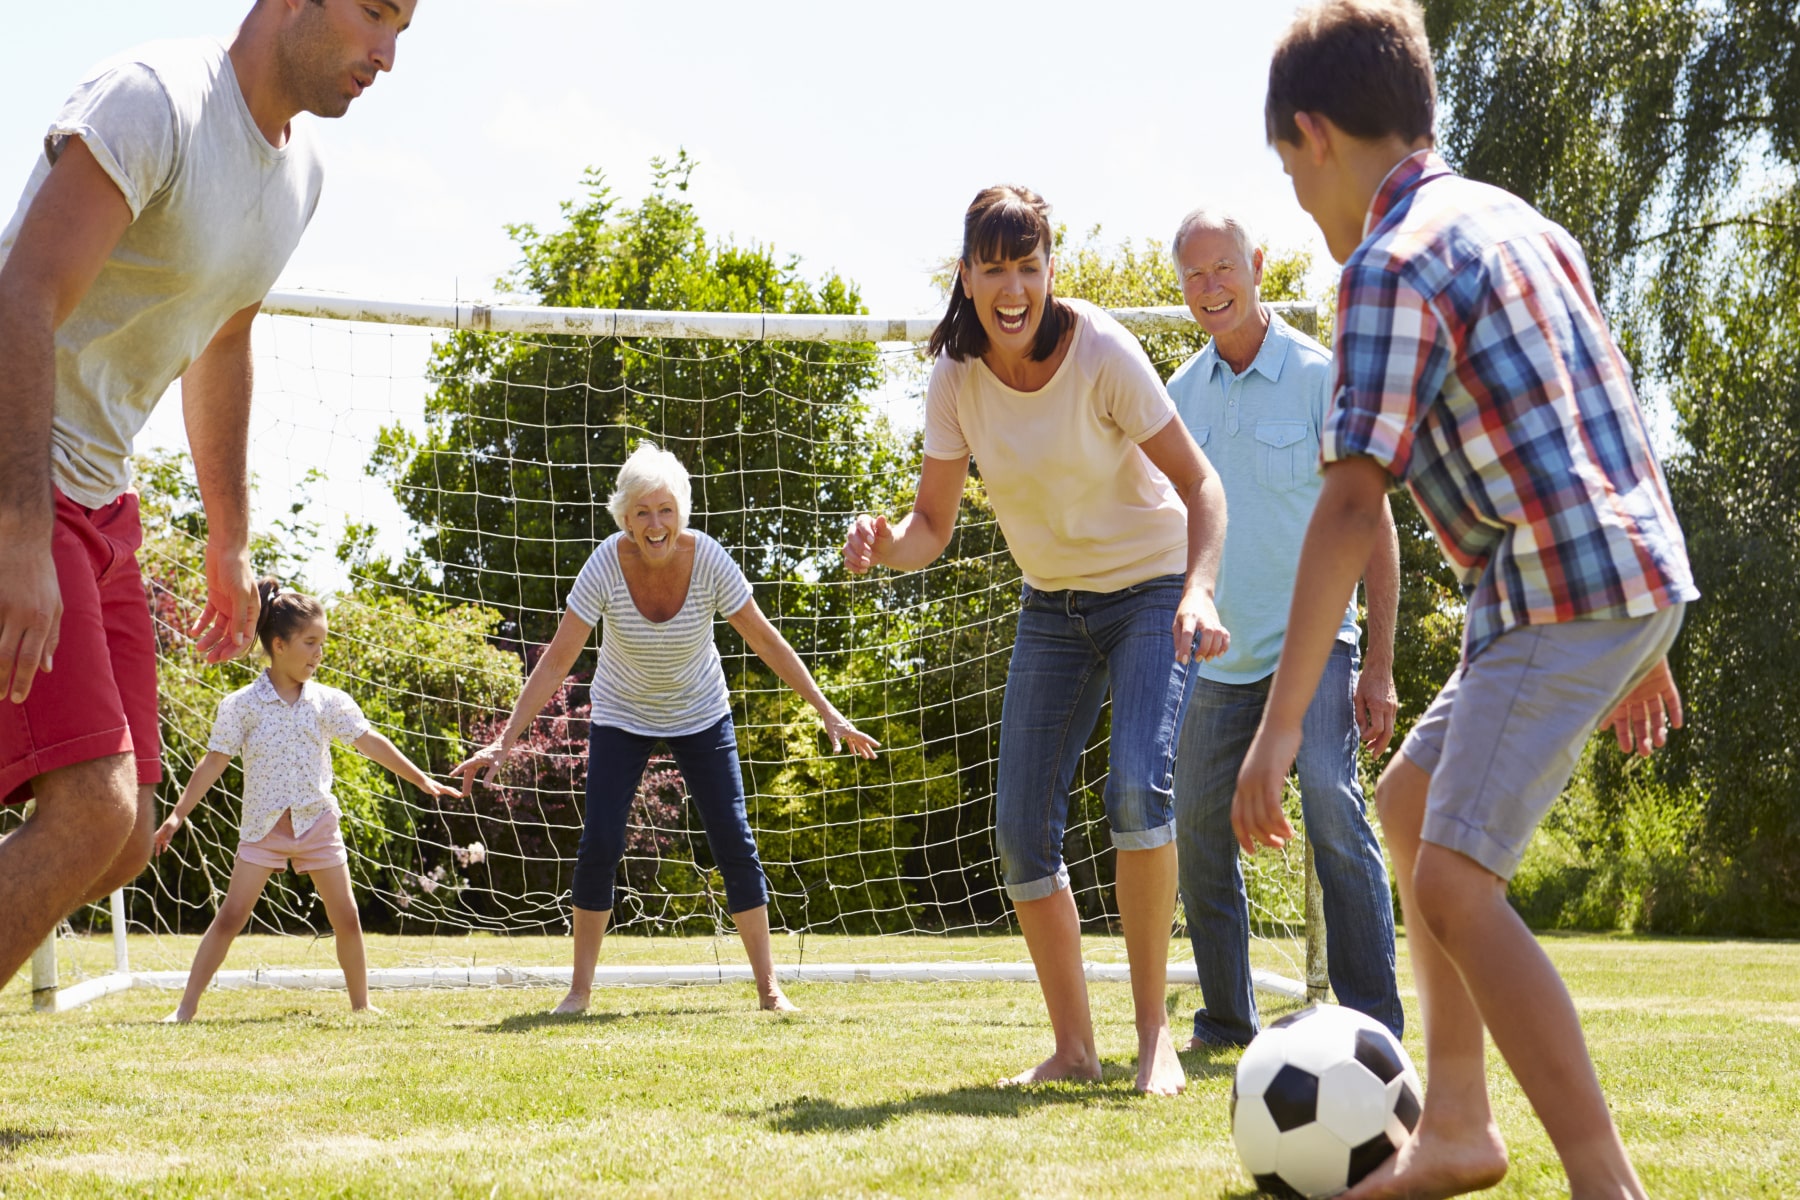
x: 1080, y: 504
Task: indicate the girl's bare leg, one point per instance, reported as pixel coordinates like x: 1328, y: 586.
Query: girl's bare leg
x: 333, y: 886
x: 241, y: 894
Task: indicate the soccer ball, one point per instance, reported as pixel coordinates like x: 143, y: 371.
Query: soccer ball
x: 1321, y: 1099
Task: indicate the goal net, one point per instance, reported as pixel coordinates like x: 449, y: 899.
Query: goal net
x: 438, y: 475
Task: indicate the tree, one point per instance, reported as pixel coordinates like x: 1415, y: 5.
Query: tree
x: 1665, y: 134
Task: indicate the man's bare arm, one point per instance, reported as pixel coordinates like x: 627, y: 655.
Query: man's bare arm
x: 72, y: 226
x: 215, y: 404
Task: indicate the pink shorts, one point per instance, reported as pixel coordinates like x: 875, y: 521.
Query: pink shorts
x: 101, y: 698
x: 318, y: 849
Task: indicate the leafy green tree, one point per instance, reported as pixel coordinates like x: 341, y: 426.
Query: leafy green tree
x: 1665, y: 134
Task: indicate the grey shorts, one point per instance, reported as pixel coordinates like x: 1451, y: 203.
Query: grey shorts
x: 1502, y: 738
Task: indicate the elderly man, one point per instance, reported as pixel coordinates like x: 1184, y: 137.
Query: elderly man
x: 172, y: 188
x: 1255, y: 399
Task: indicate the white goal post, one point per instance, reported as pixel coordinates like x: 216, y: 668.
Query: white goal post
x: 1304, y: 978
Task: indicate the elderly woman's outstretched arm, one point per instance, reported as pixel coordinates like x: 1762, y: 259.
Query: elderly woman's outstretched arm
x: 552, y: 668
x: 774, y: 650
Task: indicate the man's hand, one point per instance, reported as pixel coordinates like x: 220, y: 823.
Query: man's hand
x: 867, y: 538
x: 1199, y: 633
x: 1377, y: 704
x: 1256, y: 814
x: 30, y: 615
x: 1643, y: 719
x: 228, y: 625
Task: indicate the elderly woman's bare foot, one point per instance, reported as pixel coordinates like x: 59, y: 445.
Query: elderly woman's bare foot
x: 572, y: 1004
x: 779, y: 1003
x: 1057, y: 1067
x: 1159, y: 1069
x: 1430, y: 1166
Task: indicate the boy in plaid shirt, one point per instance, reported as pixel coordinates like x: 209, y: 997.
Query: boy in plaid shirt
x: 1474, y: 365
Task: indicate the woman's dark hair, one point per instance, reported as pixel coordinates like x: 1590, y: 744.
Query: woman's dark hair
x: 283, y: 614
x: 1004, y: 222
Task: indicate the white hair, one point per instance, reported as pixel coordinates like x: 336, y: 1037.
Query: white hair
x: 646, y: 469
x: 1206, y: 217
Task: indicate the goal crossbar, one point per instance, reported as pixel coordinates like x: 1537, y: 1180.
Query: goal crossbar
x: 652, y: 323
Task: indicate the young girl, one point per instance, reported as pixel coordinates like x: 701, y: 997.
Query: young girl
x: 283, y: 725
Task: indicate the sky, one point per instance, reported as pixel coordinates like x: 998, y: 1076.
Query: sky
x: 850, y: 135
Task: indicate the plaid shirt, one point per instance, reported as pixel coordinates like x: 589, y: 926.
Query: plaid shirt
x: 1473, y: 363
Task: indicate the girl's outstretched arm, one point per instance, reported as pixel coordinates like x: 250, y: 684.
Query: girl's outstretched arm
x: 376, y: 746
x: 552, y: 668
x: 774, y: 650
x: 204, y: 776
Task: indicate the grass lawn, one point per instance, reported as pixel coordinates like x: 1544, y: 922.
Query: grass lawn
x: 875, y: 1089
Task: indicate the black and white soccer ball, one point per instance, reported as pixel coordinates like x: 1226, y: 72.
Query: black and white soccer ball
x: 1322, y: 1098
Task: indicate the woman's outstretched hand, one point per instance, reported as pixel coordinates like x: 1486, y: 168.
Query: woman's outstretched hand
x: 842, y: 733
x: 867, y: 537
x: 490, y: 758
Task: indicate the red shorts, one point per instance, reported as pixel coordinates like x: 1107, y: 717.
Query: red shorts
x: 101, y: 698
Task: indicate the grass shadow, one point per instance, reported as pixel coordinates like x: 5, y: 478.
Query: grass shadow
x: 528, y: 1022
x: 812, y: 1114
x: 14, y: 1140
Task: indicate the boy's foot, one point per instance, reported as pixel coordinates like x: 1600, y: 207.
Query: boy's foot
x: 1432, y: 1166
x: 779, y: 1003
x: 1159, y: 1070
x: 572, y: 1004
x: 178, y: 1018
x: 1055, y: 1068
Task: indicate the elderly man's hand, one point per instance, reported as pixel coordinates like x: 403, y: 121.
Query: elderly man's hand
x: 1377, y: 704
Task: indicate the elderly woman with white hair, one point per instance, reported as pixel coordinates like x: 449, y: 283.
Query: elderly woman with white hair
x: 657, y: 584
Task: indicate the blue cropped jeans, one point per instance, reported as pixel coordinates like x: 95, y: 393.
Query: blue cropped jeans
x: 709, y: 765
x: 1072, y: 648
x: 1359, y: 912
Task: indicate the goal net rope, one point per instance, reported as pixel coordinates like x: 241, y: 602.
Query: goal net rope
x: 437, y: 474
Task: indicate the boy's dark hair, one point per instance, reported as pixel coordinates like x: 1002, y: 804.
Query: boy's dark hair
x: 1364, y: 64
x: 1003, y: 222
x: 283, y: 614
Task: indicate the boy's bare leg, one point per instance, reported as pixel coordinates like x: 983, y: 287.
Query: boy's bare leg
x: 241, y: 894
x: 1146, y: 891
x: 1527, y: 1007
x: 333, y: 886
x: 85, y: 813
x: 1457, y: 1147
x: 590, y: 931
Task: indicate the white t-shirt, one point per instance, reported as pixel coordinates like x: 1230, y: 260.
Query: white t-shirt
x: 216, y: 211
x: 1080, y: 504
x: 286, y: 750
x: 659, y: 679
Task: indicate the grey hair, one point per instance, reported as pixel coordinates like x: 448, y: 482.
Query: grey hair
x: 1207, y: 217
x: 646, y: 469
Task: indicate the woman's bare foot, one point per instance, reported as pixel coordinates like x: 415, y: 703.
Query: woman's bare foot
x: 367, y: 1010
x: 1159, y: 1069
x: 572, y: 1004
x: 1432, y: 1165
x: 778, y: 1002
x: 178, y: 1017
x: 1057, y: 1067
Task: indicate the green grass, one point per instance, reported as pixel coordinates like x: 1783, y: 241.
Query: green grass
x: 876, y: 1089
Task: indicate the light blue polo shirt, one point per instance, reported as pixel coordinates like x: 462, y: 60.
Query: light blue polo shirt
x: 1261, y: 432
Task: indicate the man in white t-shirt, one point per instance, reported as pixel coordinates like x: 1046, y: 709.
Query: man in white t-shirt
x: 172, y: 189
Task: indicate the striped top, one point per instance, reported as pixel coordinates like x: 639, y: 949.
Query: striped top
x: 1473, y: 363
x: 659, y: 679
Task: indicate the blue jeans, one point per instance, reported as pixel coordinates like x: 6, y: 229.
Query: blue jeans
x: 1072, y: 647
x: 1359, y: 911
x: 709, y: 765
